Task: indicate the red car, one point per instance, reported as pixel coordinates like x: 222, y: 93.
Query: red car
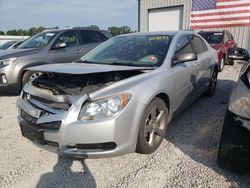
x: 220, y: 41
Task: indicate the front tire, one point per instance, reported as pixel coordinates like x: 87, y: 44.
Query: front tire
x: 29, y: 76
x: 153, y: 127
x: 234, y: 147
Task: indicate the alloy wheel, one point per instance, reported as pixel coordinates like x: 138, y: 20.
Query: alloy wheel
x: 34, y: 76
x: 154, y: 126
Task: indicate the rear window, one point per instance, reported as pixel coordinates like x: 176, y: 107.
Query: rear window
x: 88, y: 37
x: 212, y: 38
x: 102, y: 36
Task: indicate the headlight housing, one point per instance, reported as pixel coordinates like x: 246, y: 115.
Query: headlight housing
x: 103, y: 108
x: 6, y: 62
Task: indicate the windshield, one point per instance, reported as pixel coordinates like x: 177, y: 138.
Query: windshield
x: 7, y: 45
x: 212, y: 38
x: 141, y: 50
x: 39, y: 40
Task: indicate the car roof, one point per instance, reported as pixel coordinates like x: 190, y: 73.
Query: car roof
x: 105, y: 32
x: 72, y: 28
x: 159, y: 33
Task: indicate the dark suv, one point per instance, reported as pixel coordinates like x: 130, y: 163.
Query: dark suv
x: 234, y: 148
x: 220, y: 41
x: 50, y: 46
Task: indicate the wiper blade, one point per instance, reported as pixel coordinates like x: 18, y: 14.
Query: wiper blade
x: 85, y: 61
x: 122, y: 64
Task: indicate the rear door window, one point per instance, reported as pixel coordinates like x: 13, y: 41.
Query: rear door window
x: 88, y: 37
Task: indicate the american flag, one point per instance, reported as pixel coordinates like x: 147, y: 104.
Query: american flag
x: 219, y: 13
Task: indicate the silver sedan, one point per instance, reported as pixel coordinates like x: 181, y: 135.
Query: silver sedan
x: 120, y: 97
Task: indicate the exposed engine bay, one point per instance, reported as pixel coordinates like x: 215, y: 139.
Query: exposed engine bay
x: 77, y: 84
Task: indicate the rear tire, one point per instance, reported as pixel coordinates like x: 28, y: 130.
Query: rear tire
x: 212, y: 85
x: 153, y: 127
x: 221, y: 64
x: 234, y: 147
x: 229, y: 62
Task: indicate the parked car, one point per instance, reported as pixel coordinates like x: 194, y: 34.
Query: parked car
x: 234, y: 148
x: 50, y: 46
x: 118, y: 98
x: 7, y: 45
x: 221, y: 41
x: 15, y: 45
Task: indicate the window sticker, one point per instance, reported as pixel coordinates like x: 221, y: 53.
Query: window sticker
x: 218, y: 33
x: 155, y: 38
x: 151, y: 59
x: 50, y: 34
x: 68, y: 39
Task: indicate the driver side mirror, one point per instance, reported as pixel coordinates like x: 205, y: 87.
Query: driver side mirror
x: 59, y: 45
x: 238, y: 54
x: 185, y: 57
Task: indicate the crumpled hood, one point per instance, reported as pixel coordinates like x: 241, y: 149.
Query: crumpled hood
x: 240, y: 100
x: 215, y: 46
x: 9, y: 53
x: 83, y: 68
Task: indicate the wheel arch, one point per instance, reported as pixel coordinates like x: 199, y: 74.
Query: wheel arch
x: 28, y: 66
x: 165, y: 98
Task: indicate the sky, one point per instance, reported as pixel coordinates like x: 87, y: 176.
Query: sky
x: 23, y: 14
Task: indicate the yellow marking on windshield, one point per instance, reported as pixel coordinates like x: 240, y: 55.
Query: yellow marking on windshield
x: 68, y: 39
x: 158, y: 38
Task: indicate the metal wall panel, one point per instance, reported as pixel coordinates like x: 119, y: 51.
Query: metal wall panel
x: 241, y: 34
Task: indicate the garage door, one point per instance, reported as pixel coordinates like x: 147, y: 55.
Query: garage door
x: 165, y: 19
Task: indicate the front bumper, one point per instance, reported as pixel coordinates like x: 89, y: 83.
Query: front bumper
x: 91, y: 139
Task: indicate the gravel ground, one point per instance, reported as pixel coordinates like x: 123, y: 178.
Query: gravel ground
x: 186, y: 158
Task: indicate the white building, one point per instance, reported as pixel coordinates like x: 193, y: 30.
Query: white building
x: 6, y: 38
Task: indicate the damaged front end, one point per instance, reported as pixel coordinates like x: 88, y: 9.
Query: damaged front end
x: 239, y: 105
x: 51, y: 103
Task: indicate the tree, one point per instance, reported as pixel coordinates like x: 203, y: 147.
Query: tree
x: 2, y: 33
x: 93, y: 27
x: 40, y: 29
x: 120, y: 30
x: 12, y: 32
x: 32, y: 31
x: 29, y: 32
